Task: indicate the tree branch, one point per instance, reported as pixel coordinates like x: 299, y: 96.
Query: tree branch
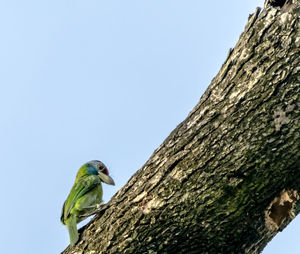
x: 226, y: 180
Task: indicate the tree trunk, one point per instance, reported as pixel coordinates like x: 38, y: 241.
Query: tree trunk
x: 227, y: 179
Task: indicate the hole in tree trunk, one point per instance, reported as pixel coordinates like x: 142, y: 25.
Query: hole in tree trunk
x: 279, y: 3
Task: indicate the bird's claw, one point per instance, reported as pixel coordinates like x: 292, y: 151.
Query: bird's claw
x: 96, y: 208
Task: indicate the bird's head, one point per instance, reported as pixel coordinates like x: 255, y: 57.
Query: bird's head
x: 97, y: 167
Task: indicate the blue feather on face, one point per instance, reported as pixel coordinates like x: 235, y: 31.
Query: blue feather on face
x: 98, y: 165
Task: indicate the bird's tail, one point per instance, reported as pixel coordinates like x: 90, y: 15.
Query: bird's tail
x: 72, y: 228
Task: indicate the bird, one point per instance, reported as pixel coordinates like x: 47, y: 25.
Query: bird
x: 85, y: 197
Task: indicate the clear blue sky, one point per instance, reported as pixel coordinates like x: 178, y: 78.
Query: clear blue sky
x: 106, y: 80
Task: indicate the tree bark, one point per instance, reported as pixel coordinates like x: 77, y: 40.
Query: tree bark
x: 227, y: 179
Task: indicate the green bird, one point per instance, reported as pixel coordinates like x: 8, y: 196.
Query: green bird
x: 85, y: 196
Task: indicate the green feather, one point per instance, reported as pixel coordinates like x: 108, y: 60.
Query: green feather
x: 72, y: 228
x: 84, y: 188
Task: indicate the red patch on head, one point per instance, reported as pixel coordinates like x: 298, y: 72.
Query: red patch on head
x: 105, y: 171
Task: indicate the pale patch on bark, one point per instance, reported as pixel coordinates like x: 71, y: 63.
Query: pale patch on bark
x: 184, y: 197
x: 152, y: 204
x: 196, y: 118
x: 178, y: 175
x: 297, y: 41
x: 78, y: 252
x: 285, y: 17
x: 270, y: 16
x: 140, y: 197
x: 155, y: 179
x: 280, y: 117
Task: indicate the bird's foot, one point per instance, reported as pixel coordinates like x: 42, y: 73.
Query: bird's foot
x: 93, y: 210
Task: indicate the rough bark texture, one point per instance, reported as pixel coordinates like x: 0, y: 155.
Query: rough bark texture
x: 227, y: 178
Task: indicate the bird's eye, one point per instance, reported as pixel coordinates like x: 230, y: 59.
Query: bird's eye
x: 100, y: 167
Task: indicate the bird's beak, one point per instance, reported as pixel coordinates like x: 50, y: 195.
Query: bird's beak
x: 106, y: 178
